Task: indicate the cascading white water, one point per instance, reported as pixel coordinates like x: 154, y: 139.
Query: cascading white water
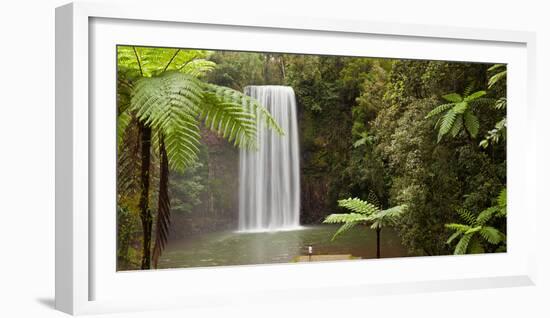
x: 269, y: 177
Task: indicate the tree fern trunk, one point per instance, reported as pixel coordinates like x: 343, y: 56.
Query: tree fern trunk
x: 163, y: 211
x: 145, y: 211
x: 378, y: 230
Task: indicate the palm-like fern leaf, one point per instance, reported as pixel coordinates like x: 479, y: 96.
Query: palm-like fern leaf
x: 502, y: 202
x: 364, y: 212
x: 458, y: 227
x: 387, y: 217
x: 446, y: 124
x: 469, y: 88
x: 229, y: 119
x: 170, y: 105
x: 453, y: 98
x: 358, y: 206
x: 476, y: 228
x: 486, y: 215
x: 458, y: 114
x: 439, y: 109
x: 152, y: 61
x: 462, y: 245
x: 345, y: 218
x: 123, y: 121
x: 491, y: 234
x: 169, y: 100
x: 457, y: 126
x: 466, y: 216
x: 344, y: 228
x: 475, y: 246
x: 453, y: 237
x: 373, y: 198
x: 471, y: 123
x: 231, y: 96
x: 474, y: 96
x: 498, y: 76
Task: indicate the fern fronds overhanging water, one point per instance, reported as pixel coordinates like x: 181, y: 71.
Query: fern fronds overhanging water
x: 168, y: 97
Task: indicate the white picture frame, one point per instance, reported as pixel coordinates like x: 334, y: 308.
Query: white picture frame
x: 87, y: 282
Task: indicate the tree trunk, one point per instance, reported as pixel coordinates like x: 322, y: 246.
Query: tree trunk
x: 163, y: 212
x: 145, y: 211
x: 378, y: 242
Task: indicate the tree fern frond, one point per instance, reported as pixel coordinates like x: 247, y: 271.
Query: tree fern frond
x: 457, y: 126
x: 344, y: 228
x: 453, y: 98
x: 128, y: 167
x: 501, y: 103
x: 373, y: 198
x: 466, y: 216
x: 439, y: 109
x: 480, y: 102
x: 495, y: 67
x: 469, y: 88
x: 446, y: 124
x: 230, y: 120
x: 358, y: 206
x: 475, y: 246
x: 486, y: 215
x: 460, y: 108
x: 496, y: 78
x: 387, y: 217
x: 491, y: 234
x: 453, y: 237
x: 462, y: 245
x: 123, y: 121
x: 390, y: 213
x: 474, y: 96
x: 198, y: 67
x: 473, y: 230
x: 502, y: 202
x: 170, y: 104
x: 471, y: 123
x: 458, y: 227
x: 345, y: 218
x: 232, y: 96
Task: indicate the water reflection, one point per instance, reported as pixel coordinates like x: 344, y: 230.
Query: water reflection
x: 234, y: 248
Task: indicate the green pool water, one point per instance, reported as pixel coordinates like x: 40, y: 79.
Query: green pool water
x: 234, y: 248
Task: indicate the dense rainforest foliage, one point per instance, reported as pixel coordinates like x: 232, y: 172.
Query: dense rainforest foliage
x: 428, y: 135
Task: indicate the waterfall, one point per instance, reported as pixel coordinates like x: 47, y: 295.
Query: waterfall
x: 269, y: 177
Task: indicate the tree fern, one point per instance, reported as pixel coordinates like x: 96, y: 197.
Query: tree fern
x: 457, y: 115
x: 364, y: 212
x: 169, y: 100
x: 477, y: 228
x: 388, y: 217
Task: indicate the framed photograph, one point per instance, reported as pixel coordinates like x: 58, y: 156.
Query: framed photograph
x: 219, y: 160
